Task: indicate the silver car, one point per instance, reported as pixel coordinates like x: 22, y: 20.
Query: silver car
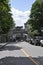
x: 35, y: 41
x: 41, y: 41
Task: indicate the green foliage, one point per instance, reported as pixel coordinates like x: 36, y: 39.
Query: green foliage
x: 6, y: 20
x: 36, y: 17
x: 40, y: 1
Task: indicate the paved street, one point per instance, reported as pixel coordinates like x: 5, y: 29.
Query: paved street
x: 21, y: 53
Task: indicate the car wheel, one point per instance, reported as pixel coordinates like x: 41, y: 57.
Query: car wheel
x: 41, y: 45
x: 32, y: 43
x: 36, y: 44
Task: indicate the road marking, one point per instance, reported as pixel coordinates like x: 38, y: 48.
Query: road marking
x: 27, y: 55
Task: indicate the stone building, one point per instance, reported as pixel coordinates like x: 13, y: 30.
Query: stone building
x: 26, y: 27
x: 27, y: 30
x: 16, y: 33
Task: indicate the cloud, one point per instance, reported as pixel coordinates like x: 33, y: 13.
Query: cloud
x: 20, y: 17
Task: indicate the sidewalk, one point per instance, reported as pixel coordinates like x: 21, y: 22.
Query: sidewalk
x: 3, y: 44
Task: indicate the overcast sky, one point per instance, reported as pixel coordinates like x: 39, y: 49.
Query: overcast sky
x: 21, y: 10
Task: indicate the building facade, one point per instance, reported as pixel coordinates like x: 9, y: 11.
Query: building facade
x: 16, y: 33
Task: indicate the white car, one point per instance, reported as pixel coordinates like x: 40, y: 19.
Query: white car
x: 41, y: 41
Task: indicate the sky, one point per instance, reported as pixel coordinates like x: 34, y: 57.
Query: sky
x: 20, y: 10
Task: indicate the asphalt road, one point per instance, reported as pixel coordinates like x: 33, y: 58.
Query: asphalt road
x: 21, y: 53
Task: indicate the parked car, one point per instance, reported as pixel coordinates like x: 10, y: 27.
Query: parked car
x: 32, y: 41
x: 41, y: 41
x: 35, y: 41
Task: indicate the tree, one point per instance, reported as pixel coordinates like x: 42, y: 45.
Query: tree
x: 36, y: 17
x: 6, y: 20
x: 39, y: 1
